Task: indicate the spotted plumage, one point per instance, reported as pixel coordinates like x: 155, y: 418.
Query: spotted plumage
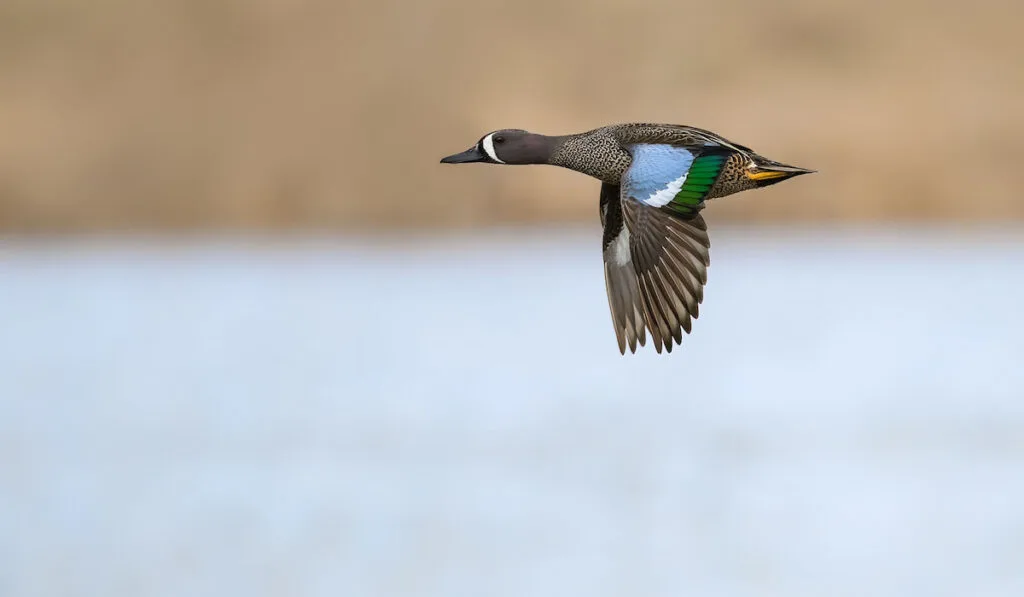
x: 655, y: 180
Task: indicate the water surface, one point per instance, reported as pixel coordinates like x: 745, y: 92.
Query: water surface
x: 452, y: 417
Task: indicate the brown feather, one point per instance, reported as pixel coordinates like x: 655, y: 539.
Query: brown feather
x: 670, y: 254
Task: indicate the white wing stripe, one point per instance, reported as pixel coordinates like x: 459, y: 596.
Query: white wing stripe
x: 619, y: 247
x: 666, y: 195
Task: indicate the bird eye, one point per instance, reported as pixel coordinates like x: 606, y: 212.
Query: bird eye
x: 499, y: 139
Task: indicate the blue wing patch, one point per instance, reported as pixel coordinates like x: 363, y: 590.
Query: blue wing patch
x: 657, y: 173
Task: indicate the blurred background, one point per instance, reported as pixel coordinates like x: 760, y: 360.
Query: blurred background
x: 256, y: 340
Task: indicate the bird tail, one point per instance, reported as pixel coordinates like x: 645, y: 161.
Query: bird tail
x: 767, y: 172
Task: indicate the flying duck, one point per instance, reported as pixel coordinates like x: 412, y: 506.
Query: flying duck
x: 655, y: 179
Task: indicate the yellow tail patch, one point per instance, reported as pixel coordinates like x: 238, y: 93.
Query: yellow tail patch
x: 767, y: 175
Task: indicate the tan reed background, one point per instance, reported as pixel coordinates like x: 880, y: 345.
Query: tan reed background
x: 318, y: 114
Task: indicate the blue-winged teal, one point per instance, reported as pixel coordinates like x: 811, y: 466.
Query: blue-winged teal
x: 655, y: 179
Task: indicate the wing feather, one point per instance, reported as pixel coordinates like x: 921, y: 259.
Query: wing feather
x: 624, y: 298
x: 670, y: 254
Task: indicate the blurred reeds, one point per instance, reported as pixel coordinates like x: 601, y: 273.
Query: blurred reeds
x: 318, y: 114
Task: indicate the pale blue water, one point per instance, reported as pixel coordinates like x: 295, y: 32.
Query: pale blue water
x: 453, y: 418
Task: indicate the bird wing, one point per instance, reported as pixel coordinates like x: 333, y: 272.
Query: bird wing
x: 661, y: 194
x: 619, y: 276
x: 674, y: 134
x: 675, y: 177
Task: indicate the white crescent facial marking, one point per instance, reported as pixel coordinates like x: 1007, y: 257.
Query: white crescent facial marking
x: 664, y: 196
x: 489, y: 148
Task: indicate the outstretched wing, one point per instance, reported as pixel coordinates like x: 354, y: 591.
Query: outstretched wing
x: 661, y: 193
x: 619, y: 276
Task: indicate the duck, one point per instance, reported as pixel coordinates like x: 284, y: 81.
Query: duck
x: 655, y: 180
